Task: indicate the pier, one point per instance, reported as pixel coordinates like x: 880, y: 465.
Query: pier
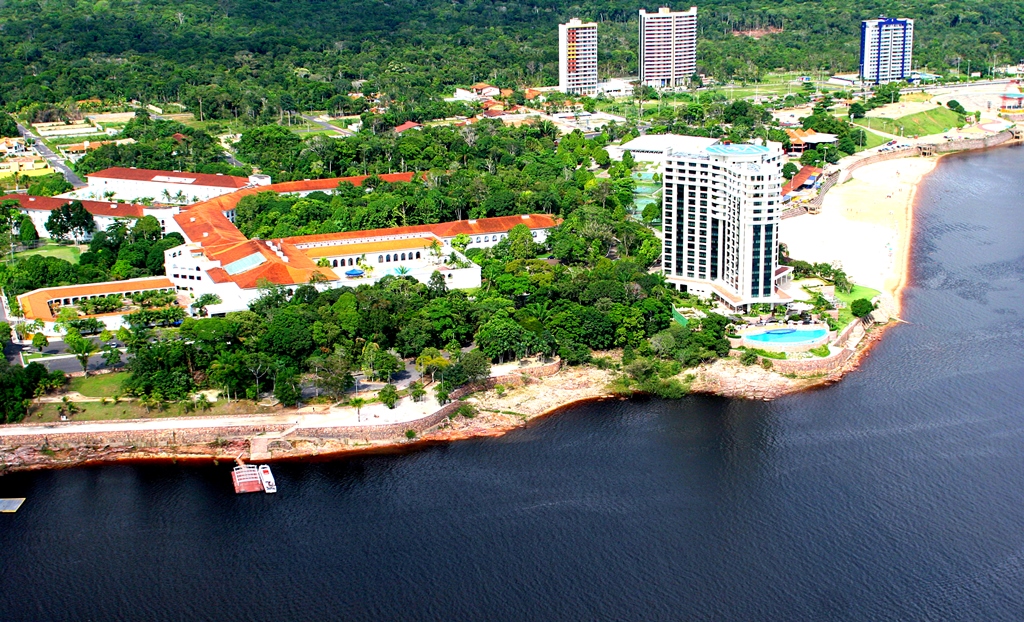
x: 246, y: 477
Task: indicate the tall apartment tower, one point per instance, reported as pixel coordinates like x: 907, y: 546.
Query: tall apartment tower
x: 886, y: 49
x: 668, y: 47
x: 577, y: 57
x: 722, y: 204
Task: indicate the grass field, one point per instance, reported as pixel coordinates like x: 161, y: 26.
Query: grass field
x: 859, y: 291
x: 67, y: 253
x: 23, y: 174
x: 916, y: 97
x: 925, y: 123
x: 100, y: 385
x: 873, y: 140
x: 98, y: 411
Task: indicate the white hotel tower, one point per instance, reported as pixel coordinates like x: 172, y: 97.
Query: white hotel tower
x: 577, y: 57
x: 668, y: 47
x: 722, y: 204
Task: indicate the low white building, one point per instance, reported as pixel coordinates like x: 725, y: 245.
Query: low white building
x: 217, y: 259
x: 652, y: 147
x: 136, y: 184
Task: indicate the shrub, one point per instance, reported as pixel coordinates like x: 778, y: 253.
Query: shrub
x: 766, y: 364
x: 821, y: 350
x: 466, y: 410
x: 389, y: 395
x: 861, y: 307
x: 749, y: 358
x: 410, y: 434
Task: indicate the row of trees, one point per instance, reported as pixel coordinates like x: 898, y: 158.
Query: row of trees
x: 257, y: 62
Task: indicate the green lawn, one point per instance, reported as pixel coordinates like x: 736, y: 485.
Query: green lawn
x: 873, y: 140
x: 935, y: 121
x: 859, y: 291
x: 23, y: 174
x: 92, y: 411
x: 67, y: 253
x: 100, y: 385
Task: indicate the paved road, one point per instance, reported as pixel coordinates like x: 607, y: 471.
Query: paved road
x: 69, y: 363
x: 324, y: 125
x: 232, y: 160
x: 55, y: 160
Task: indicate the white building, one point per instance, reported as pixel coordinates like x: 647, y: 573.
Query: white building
x: 104, y: 213
x: 668, y: 47
x: 652, y: 147
x: 136, y: 184
x: 577, y: 57
x: 217, y: 259
x: 722, y: 206
x: 886, y: 49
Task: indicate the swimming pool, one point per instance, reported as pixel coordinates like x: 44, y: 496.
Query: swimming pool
x: 788, y: 336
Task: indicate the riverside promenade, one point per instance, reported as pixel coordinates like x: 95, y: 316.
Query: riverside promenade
x: 370, y: 423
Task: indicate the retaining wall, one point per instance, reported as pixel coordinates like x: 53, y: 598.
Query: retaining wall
x: 844, y: 335
x: 812, y: 366
x: 805, y: 366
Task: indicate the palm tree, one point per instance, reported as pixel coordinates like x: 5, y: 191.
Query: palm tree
x: 202, y: 402
x: 358, y: 402
x: 82, y: 348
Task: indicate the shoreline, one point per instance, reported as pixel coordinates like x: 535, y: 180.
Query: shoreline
x: 537, y: 399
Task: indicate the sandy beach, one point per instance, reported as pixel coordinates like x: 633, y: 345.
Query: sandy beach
x: 865, y: 225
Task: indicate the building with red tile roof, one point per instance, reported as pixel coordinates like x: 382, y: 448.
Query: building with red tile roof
x: 43, y: 304
x: 136, y: 184
x: 218, y: 259
x: 806, y: 176
x: 408, y: 125
x: 104, y: 213
x: 801, y: 140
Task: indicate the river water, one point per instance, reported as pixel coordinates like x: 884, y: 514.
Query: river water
x: 897, y: 494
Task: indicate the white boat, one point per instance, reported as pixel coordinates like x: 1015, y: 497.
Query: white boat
x: 267, y: 478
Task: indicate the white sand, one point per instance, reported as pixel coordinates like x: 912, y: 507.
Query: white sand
x: 864, y: 225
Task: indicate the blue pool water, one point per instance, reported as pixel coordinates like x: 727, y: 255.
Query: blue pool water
x: 788, y: 335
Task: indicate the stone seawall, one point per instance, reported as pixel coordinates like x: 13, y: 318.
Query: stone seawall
x: 804, y: 366
x: 967, y: 144
x: 813, y: 366
x: 844, y: 335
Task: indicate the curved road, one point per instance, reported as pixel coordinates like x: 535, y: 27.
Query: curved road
x: 54, y: 159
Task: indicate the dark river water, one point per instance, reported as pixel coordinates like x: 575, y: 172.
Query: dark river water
x: 897, y: 494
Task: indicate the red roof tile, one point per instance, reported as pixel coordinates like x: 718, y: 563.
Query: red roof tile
x: 96, y: 208
x: 35, y: 304
x: 408, y: 125
x: 198, y: 179
x: 800, y: 179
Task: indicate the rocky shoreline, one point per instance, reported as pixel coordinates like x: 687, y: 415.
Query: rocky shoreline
x: 499, y: 410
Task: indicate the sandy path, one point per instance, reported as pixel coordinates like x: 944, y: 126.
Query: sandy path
x: 864, y: 225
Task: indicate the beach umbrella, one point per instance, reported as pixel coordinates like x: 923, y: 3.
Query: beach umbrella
x: 354, y: 272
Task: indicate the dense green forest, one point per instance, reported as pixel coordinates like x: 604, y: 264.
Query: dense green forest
x: 251, y: 59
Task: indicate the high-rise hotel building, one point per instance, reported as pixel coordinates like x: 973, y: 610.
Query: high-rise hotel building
x: 886, y: 49
x: 577, y: 57
x: 668, y: 47
x: 722, y: 204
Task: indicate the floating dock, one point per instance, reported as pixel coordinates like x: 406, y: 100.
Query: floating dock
x: 246, y: 477
x: 10, y: 506
x: 250, y: 478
